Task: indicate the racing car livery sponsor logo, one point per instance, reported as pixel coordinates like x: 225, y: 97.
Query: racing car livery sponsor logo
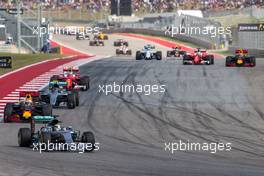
x: 250, y: 27
x: 73, y: 147
x: 212, y: 147
x: 131, y: 88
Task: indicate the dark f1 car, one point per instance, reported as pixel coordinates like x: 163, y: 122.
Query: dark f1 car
x: 123, y: 50
x: 53, y: 133
x: 96, y: 43
x: 241, y: 59
x: 58, y: 95
x: 82, y: 36
x: 29, y: 105
x: 120, y: 42
x: 199, y: 57
x: 176, y: 52
x: 148, y: 53
x: 74, y: 80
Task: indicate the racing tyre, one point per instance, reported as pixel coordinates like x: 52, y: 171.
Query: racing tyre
x: 85, y: 81
x: 185, y: 59
x: 88, y: 137
x: 129, y: 52
x: 168, y: 54
x: 8, y: 112
x: 183, y: 53
x: 45, y: 98
x: 54, y: 78
x: 253, y: 61
x: 24, y: 137
x: 138, y: 55
x: 211, y: 59
x: 45, y: 138
x: 228, y: 60
x: 159, y: 55
x: 126, y: 43
x: 71, y: 101
x: 115, y: 44
x: 77, y: 100
x: 47, y: 110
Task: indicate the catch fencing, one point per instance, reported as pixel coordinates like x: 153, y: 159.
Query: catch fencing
x: 31, y: 42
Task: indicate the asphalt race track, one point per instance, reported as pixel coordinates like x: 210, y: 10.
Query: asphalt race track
x: 201, y: 104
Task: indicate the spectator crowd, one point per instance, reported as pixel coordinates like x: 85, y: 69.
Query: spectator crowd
x: 140, y: 5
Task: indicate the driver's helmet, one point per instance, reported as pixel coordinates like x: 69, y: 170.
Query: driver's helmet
x: 241, y: 53
x: 199, y: 51
x: 65, y: 73
x: 57, y: 127
x: 28, y: 100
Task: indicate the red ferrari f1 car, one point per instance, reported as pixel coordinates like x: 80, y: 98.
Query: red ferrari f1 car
x: 29, y: 105
x: 199, y: 57
x: 74, y: 80
x: 241, y: 59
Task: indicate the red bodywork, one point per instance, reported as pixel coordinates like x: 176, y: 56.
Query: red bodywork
x: 197, y: 58
x: 71, y: 76
x: 241, y: 52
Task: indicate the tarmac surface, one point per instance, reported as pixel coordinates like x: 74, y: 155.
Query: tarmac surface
x: 201, y: 104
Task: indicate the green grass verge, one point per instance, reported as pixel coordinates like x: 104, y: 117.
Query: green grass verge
x: 174, y: 40
x: 222, y: 52
x: 21, y: 60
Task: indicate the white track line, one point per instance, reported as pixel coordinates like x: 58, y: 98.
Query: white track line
x: 42, y: 81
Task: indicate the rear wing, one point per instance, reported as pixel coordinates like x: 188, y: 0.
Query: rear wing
x: 201, y: 50
x: 59, y: 83
x: 29, y: 93
x: 176, y: 47
x: 73, y: 69
x: 40, y: 119
x: 241, y: 51
x: 43, y: 119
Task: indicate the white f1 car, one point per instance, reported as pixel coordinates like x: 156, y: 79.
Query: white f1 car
x: 123, y: 50
x: 148, y: 53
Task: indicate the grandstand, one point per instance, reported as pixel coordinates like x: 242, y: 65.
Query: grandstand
x: 142, y: 6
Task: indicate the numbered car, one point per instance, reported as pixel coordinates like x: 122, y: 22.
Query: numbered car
x: 148, y: 53
x: 53, y: 132
x: 198, y: 57
x: 29, y: 105
x: 241, y: 59
x: 59, y: 96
